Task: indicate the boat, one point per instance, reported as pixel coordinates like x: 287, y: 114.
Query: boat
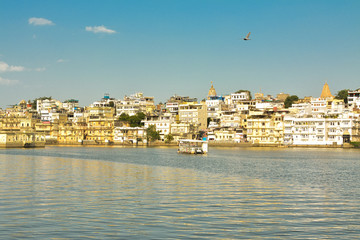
x: 191, y: 146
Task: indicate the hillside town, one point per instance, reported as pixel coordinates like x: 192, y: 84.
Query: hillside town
x: 236, y: 118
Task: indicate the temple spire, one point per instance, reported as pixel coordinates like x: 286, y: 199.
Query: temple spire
x: 326, y: 92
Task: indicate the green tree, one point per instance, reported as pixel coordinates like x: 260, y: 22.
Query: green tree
x: 239, y: 91
x: 135, y: 120
x: 343, y: 94
x: 152, y: 134
x: 290, y: 100
x: 124, y: 117
x: 209, y: 119
x: 169, y: 138
x: 111, y: 104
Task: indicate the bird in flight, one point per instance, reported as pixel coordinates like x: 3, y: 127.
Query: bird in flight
x: 247, y: 37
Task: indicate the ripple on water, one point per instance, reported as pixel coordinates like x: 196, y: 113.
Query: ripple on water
x: 127, y: 193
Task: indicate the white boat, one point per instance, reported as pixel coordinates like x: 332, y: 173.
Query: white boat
x: 193, y: 146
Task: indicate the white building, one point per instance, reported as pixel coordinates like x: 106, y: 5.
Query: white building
x: 47, y: 104
x: 316, y: 130
x: 172, y: 107
x: 71, y: 105
x: 133, y: 104
x: 162, y: 124
x: 129, y: 134
x: 268, y: 105
x: 241, y: 96
x: 354, y: 98
x: 230, y: 119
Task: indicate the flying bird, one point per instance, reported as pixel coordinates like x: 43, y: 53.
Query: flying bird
x: 247, y: 37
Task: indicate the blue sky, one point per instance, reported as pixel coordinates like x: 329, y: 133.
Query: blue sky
x: 83, y: 49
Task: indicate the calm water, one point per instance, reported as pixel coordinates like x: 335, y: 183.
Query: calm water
x: 155, y: 193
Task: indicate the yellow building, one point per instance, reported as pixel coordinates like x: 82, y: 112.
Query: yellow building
x: 100, y: 130
x: 265, y: 129
x: 72, y: 132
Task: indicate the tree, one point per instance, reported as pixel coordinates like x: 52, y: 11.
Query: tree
x: 240, y: 91
x: 169, y: 138
x: 209, y: 119
x: 290, y: 100
x: 135, y: 120
x: 152, y: 134
x: 342, y: 94
x: 124, y: 117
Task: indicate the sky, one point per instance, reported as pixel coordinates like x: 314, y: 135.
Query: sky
x: 85, y: 48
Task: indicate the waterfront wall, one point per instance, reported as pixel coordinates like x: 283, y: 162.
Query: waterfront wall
x: 211, y: 144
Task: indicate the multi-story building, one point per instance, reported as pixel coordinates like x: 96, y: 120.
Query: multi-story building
x: 161, y: 122
x: 195, y: 114
x: 100, y: 129
x: 230, y: 119
x: 214, y: 104
x: 71, y: 105
x: 354, y: 98
x: 126, y: 134
x: 316, y: 130
x: 267, y: 128
x: 241, y: 96
x: 180, y: 130
x: 72, y: 132
x: 134, y: 103
x: 356, y: 130
x: 47, y: 104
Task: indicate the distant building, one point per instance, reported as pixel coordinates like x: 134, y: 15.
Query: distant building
x: 259, y: 96
x: 282, y: 96
x: 71, y: 105
x: 354, y: 98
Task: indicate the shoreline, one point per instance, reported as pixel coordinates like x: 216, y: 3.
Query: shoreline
x: 211, y: 144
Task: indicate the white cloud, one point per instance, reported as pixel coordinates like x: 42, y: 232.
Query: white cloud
x: 4, y: 67
x: 40, y: 21
x: 40, y: 69
x: 4, y: 81
x: 99, y: 29
x: 60, y: 60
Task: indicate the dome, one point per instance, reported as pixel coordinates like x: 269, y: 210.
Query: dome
x: 22, y: 102
x: 212, y: 91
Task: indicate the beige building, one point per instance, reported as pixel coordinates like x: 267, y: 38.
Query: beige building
x: 131, y: 135
x: 195, y: 114
x: 72, y: 132
x: 100, y: 130
x: 265, y: 129
x: 180, y: 130
x: 13, y: 139
x: 282, y: 96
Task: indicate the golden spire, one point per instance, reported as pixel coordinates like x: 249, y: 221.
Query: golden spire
x: 326, y: 92
x: 212, y: 91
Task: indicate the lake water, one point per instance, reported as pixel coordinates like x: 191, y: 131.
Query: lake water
x: 155, y: 193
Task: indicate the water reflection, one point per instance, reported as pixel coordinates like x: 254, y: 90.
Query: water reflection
x: 122, y: 193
